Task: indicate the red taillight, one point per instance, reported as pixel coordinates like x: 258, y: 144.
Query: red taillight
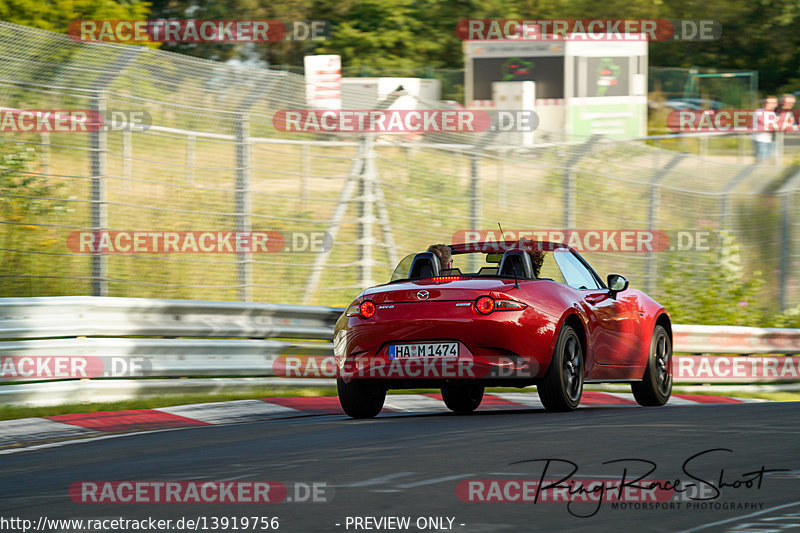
x: 367, y: 309
x: 484, y: 305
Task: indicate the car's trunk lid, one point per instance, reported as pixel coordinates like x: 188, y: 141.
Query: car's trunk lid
x: 436, y: 289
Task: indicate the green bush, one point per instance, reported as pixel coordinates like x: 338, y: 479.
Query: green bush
x: 717, y: 290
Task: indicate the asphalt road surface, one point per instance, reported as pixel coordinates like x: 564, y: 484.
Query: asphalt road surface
x: 420, y: 467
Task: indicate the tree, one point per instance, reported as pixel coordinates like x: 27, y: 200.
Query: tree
x: 56, y: 15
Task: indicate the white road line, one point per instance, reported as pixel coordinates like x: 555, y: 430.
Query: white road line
x: 729, y: 520
x: 377, y: 480
x: 88, y: 439
x: 432, y: 481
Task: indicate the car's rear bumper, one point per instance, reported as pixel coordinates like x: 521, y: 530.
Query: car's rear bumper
x: 513, y: 346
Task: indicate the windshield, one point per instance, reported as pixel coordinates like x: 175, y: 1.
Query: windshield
x: 402, y: 268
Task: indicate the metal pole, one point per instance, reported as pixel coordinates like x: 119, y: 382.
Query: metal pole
x: 726, y: 222
x: 704, y: 146
x: 570, y: 188
x: 786, y: 206
x: 501, y: 178
x: 569, y: 199
x: 366, y: 200
x: 243, y: 205
x: 98, y: 152
x: 474, y: 205
x: 652, y: 219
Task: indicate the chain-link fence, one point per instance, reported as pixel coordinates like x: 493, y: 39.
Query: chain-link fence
x: 213, y: 161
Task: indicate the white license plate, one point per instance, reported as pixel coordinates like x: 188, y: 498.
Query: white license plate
x: 439, y: 350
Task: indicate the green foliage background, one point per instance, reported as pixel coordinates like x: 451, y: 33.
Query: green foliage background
x: 403, y: 34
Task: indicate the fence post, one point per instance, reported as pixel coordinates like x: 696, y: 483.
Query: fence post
x: 652, y: 218
x: 570, y: 191
x: 98, y: 152
x: 501, y: 180
x: 725, y: 223
x: 98, y: 139
x: 474, y: 204
x: 703, y: 146
x: 786, y: 207
x: 244, y: 266
x: 366, y: 201
x: 785, y: 193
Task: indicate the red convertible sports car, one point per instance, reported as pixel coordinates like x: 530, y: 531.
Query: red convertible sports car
x: 527, y: 313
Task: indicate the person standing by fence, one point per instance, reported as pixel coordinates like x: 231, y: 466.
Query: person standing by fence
x: 763, y: 140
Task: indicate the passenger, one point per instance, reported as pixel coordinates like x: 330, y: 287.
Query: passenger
x: 536, y: 253
x: 537, y: 258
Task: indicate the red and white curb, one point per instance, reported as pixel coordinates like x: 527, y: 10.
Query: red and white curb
x: 30, y: 431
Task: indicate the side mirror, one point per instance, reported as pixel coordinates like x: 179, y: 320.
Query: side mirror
x: 617, y: 283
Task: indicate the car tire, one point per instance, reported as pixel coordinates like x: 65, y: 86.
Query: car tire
x: 655, y: 387
x: 361, y: 399
x: 463, y: 399
x: 562, y: 387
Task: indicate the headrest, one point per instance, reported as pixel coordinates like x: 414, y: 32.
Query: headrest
x: 424, y: 265
x: 516, y: 261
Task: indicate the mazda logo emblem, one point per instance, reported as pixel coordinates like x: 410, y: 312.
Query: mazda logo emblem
x: 422, y: 295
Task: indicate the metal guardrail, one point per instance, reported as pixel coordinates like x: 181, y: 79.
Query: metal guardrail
x: 90, y: 316
x: 735, y: 340
x: 137, y: 337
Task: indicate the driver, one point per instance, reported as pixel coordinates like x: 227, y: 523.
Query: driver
x: 445, y: 255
